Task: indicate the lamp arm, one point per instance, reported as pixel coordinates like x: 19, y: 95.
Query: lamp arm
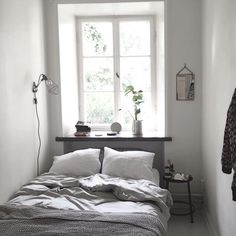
x: 40, y: 79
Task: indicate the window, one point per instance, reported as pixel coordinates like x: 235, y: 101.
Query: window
x: 112, y: 54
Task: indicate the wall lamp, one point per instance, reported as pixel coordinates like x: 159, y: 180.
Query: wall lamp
x: 51, y: 85
x: 52, y: 88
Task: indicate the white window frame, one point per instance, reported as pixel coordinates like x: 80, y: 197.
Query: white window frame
x: 116, y: 59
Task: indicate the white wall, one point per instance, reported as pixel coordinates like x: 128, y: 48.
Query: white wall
x: 53, y: 65
x: 53, y: 70
x: 219, y: 82
x: 21, y: 62
x: 183, y: 31
x: 183, y: 45
x: 68, y: 72
x: 68, y: 59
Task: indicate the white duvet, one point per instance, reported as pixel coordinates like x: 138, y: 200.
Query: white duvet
x: 100, y: 193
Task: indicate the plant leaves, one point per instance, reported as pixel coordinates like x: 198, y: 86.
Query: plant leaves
x: 137, y: 99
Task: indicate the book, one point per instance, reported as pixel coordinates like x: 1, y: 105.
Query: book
x: 81, y: 133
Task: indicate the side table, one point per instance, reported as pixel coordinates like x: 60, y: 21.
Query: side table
x: 168, y: 180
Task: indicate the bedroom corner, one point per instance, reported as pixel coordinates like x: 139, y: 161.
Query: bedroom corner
x: 91, y: 163
x: 22, y: 59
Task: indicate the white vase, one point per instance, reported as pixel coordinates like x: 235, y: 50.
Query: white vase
x: 137, y: 127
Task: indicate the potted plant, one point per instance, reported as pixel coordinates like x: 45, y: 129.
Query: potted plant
x: 137, y: 99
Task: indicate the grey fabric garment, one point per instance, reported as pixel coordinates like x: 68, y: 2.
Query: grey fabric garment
x: 129, y: 189
x: 228, y: 159
x: 95, y: 205
x: 25, y: 221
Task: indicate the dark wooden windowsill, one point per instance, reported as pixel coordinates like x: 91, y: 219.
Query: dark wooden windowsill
x: 123, y: 136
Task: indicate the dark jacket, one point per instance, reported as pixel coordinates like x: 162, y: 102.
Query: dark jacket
x: 228, y: 159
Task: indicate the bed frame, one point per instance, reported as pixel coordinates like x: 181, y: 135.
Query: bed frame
x: 150, y: 145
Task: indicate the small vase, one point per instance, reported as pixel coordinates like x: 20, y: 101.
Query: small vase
x: 137, y: 127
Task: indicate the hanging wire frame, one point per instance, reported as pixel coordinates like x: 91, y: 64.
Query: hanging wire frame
x: 185, y: 84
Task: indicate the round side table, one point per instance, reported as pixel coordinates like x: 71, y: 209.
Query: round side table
x: 168, y: 180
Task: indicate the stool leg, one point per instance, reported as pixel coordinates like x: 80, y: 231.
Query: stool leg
x: 190, y: 202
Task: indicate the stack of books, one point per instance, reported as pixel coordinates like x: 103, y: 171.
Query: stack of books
x: 81, y: 129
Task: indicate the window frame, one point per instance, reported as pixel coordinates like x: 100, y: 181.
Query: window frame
x: 116, y: 63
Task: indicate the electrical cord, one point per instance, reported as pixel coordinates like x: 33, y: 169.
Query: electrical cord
x: 39, y: 136
x: 53, y: 89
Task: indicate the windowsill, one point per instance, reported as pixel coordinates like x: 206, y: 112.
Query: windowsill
x: 122, y: 136
x: 125, y: 129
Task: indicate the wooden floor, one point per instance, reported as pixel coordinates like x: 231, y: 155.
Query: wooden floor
x: 181, y: 226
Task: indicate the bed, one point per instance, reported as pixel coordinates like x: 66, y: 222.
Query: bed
x: 117, y: 194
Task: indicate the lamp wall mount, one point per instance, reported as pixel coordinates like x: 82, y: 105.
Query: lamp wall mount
x: 34, y: 88
x: 51, y: 85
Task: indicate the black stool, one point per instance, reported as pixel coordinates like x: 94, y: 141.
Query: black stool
x: 169, y: 179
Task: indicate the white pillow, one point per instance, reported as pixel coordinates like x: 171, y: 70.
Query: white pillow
x: 156, y: 176
x: 128, y: 164
x: 81, y: 163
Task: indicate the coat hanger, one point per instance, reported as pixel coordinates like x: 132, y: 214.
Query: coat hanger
x: 185, y: 68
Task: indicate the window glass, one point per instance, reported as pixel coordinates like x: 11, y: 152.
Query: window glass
x: 99, y: 107
x: 98, y: 74
x: 97, y: 38
x: 101, y: 90
x: 134, y: 38
x: 135, y: 71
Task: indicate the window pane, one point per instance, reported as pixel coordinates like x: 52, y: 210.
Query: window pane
x: 146, y: 110
x: 135, y: 71
x: 98, y: 74
x: 127, y: 110
x: 134, y: 38
x: 97, y: 38
x: 99, y: 107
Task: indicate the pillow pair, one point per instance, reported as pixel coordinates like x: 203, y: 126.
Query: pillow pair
x: 80, y: 163
x: 126, y: 164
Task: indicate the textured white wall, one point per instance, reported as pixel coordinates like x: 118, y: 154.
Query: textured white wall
x: 68, y: 51
x: 219, y: 82
x: 53, y: 70
x: 68, y: 72
x: 21, y: 62
x: 53, y: 64
x: 183, y: 44
x: 183, y: 118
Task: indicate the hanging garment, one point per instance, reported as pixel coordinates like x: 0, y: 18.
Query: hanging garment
x: 228, y: 159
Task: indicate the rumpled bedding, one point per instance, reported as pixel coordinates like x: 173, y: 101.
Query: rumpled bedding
x: 96, y: 205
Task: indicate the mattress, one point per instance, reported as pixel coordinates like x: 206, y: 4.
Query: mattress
x: 96, y: 205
